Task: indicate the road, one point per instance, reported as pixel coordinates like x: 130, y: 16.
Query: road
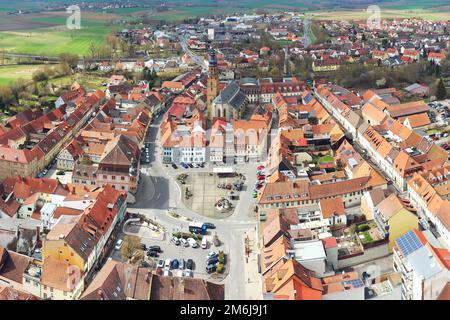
x: 197, y: 59
x: 159, y: 192
x: 306, y: 32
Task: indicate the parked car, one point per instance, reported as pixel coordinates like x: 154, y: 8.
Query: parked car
x: 185, y: 166
x: 195, y: 165
x: 143, y: 246
x: 211, y: 268
x: 174, y: 166
x: 60, y: 173
x: 160, y: 263
x: 174, y: 264
x: 182, y: 264
x: 204, y: 243
x: 213, y: 260
x: 155, y: 248
x: 190, y: 264
x: 159, y: 271
x: 209, y: 225
x: 167, y: 263
x: 167, y: 273
x: 175, y: 240
x: 212, y: 254
x: 152, y: 254
x: 184, y: 242
x: 192, y: 242
x: 119, y: 244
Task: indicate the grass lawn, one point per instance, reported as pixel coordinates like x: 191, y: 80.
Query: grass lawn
x: 434, y: 131
x: 89, y: 81
x: 10, y: 74
x: 367, y: 238
x: 325, y: 159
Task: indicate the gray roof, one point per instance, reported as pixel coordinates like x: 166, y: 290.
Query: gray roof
x: 232, y: 95
x: 424, y: 263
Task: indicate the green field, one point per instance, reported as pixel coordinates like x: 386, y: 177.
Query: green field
x: 10, y: 74
x: 56, y: 40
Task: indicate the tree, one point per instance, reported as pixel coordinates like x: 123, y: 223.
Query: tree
x: 441, y: 92
x: 131, y: 248
x: 69, y: 59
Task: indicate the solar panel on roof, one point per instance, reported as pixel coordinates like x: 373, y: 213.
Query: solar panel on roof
x: 357, y: 283
x: 308, y: 98
x: 409, y: 243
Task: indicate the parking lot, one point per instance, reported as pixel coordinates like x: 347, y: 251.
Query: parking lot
x: 198, y: 255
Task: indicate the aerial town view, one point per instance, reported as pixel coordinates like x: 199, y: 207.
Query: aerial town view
x: 246, y: 150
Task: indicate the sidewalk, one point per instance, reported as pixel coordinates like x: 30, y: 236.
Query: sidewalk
x: 253, y: 283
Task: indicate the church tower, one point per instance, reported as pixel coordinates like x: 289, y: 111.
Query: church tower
x: 213, y: 83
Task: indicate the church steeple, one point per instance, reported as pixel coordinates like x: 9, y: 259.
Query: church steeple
x: 213, y: 82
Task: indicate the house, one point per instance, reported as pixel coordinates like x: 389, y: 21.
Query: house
x: 289, y: 280
x: 334, y: 211
x: 174, y: 86
x: 418, y: 89
x: 122, y: 281
x: 394, y: 218
x: 424, y: 266
x: 325, y: 65
x: 81, y: 240
x: 53, y: 279
x: 8, y: 293
x: 343, y: 286
x: 12, y: 267
x: 436, y: 57
x: 412, y: 54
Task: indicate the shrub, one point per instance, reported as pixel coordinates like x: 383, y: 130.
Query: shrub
x: 221, y: 257
x: 363, y: 227
x: 186, y: 235
x: 219, y: 268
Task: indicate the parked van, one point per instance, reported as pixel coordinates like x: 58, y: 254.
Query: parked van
x: 204, y: 243
x: 192, y: 242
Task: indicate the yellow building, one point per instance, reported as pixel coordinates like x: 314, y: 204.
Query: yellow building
x: 325, y: 65
x: 395, y: 217
x: 70, y: 243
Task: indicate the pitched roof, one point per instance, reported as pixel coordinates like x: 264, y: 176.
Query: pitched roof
x: 119, y: 281
x: 13, y: 265
x: 176, y: 288
x: 332, y: 207
x: 60, y: 274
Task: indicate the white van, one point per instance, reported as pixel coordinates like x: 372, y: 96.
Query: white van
x: 192, y: 242
x: 204, y: 243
